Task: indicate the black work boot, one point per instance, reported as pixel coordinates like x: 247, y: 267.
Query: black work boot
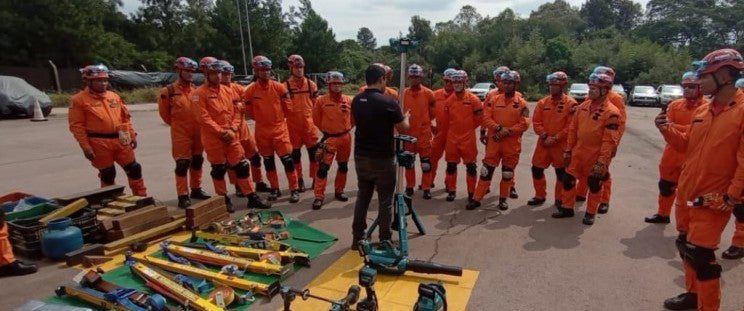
x: 603, y: 208
x: 262, y: 187
x: 228, y: 203
x: 427, y: 194
x: 17, y: 268
x: 503, y: 205
x: 513, y: 193
x: 274, y: 194
x: 409, y: 192
x: 657, y: 219
x: 294, y: 196
x: 317, y: 204
x: 450, y: 196
x: 472, y: 204
x: 536, y: 201
x: 563, y: 212
x: 254, y: 201
x: 239, y: 192
x: 470, y: 196
x: 558, y: 203
x: 580, y: 198
x: 733, y: 252
x: 184, y: 201
x: 684, y: 301
x: 199, y: 194
x: 300, y: 184
x: 342, y: 196
x: 588, y: 219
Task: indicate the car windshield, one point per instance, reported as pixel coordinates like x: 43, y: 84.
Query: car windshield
x: 671, y: 89
x: 618, y: 88
x: 482, y: 86
x: 644, y: 89
x: 579, y: 87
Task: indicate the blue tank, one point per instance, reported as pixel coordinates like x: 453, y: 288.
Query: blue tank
x: 60, y: 238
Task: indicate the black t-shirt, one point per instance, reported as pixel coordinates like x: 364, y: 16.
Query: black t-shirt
x: 375, y: 116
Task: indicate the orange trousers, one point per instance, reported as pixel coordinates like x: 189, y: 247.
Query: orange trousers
x: 276, y: 141
x: 186, y: 145
x: 467, y: 151
x: 423, y: 149
x: 437, y: 151
x: 222, y: 156
x: 6, y: 250
x: 340, y: 149
x: 504, y: 153
x: 303, y: 134
x: 109, y: 151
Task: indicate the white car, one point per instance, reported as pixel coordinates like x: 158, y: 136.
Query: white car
x: 481, y: 89
x: 579, y: 91
x: 668, y: 93
x: 644, y: 95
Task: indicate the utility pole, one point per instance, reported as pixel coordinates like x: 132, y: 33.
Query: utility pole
x: 248, y: 25
x: 242, y: 43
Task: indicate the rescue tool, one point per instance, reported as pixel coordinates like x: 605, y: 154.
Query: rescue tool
x: 164, y: 285
x: 217, y: 259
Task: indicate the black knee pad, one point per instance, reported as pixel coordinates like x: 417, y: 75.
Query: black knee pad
x: 296, y: 155
x: 507, y: 173
x: 681, y: 243
x: 256, y: 160
x: 666, y: 188
x: 343, y: 167
x: 182, y: 167
x: 218, y: 171
x: 702, y: 260
x: 133, y: 170
x: 569, y: 182
x: 559, y: 173
x: 425, y: 165
x: 487, y: 172
x: 595, y: 184
x: 451, y: 168
x: 242, y: 169
x: 471, y: 169
x: 311, y: 153
x: 107, y: 175
x: 538, y: 172
x: 269, y: 163
x: 197, y: 161
x: 287, y: 162
x: 323, y: 170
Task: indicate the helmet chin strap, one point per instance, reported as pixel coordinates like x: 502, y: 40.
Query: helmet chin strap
x: 719, y: 85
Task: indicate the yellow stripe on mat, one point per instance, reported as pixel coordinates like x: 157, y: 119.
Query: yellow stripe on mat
x: 393, y: 292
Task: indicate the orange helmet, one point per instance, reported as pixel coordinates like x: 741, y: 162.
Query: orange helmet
x: 601, y: 80
x: 185, y: 63
x: 717, y: 59
x: 261, y: 62
x: 206, y: 60
x: 295, y: 61
x: 91, y: 72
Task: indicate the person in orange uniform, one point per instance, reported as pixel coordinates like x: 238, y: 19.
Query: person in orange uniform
x: 175, y: 109
x: 679, y: 114
x: 506, y: 117
x: 389, y: 91
x: 736, y: 250
x: 440, y: 130
x: 268, y: 102
x: 463, y: 113
x: 215, y: 111
x: 302, y: 130
x: 100, y: 122
x: 419, y: 101
x: 9, y: 265
x: 712, y: 178
x: 332, y: 115
x: 551, y: 120
x: 593, y: 137
x: 247, y: 141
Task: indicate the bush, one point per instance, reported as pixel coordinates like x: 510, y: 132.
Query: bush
x: 60, y: 99
x: 136, y: 96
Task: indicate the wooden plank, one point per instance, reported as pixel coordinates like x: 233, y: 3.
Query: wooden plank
x: 201, y: 221
x: 76, y: 257
x: 147, y: 234
x: 139, y: 216
x: 65, y: 211
x: 121, y: 205
x: 206, y: 205
x: 90, y: 261
x: 111, y: 211
x: 115, y: 234
x: 93, y: 196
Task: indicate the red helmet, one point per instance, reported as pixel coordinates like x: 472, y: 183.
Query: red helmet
x: 335, y: 77
x: 558, y: 77
x: 211, y: 65
x: 511, y: 75
x: 500, y: 71
x: 91, y: 72
x: 606, y: 70
x: 717, y: 59
x: 459, y: 76
x: 261, y: 62
x: 447, y: 75
x: 690, y: 77
x: 295, y: 61
x: 185, y: 63
x: 206, y: 60
x: 415, y: 71
x: 388, y: 72
x: 601, y: 80
x: 227, y: 67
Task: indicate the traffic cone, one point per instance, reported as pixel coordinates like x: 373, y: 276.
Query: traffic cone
x: 38, y: 115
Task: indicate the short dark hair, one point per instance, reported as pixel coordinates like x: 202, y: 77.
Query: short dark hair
x: 373, y: 74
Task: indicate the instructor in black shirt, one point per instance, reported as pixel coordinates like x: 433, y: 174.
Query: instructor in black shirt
x: 376, y: 115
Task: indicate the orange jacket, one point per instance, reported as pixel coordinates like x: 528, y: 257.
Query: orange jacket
x: 679, y: 114
x: 268, y: 104
x: 462, y: 114
x: 303, y: 92
x: 594, y: 131
x: 616, y: 99
x: 333, y: 115
x: 389, y: 91
x: 215, y: 109
x: 100, y: 114
x: 553, y: 117
x: 715, y: 151
x: 174, y: 103
x: 494, y: 92
x: 509, y: 112
x: 440, y: 100
x: 420, y: 103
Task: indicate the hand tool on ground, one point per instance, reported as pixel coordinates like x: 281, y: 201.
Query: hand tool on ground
x: 218, y: 259
x: 164, y: 285
x: 432, y: 297
x: 367, y: 279
x: 287, y: 257
x: 343, y: 304
x: 94, y: 290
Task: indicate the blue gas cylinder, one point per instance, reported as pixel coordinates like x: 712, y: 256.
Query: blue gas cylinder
x: 61, y: 237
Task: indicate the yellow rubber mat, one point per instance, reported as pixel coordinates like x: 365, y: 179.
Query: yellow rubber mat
x: 393, y: 292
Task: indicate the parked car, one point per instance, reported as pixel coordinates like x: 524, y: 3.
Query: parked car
x: 17, y: 98
x: 242, y: 79
x: 668, y: 93
x: 481, y: 89
x: 644, y: 95
x: 620, y: 90
x: 578, y: 91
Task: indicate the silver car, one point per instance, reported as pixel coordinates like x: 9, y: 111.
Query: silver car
x: 644, y: 95
x: 579, y: 91
x: 481, y: 89
x: 668, y: 93
x: 618, y: 88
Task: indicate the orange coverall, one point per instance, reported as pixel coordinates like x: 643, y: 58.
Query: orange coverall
x: 176, y: 110
x: 332, y: 115
x: 617, y: 100
x: 302, y: 131
x: 245, y: 137
x: 593, y: 137
x: 389, y: 91
x: 463, y: 113
x: 215, y: 110
x: 6, y: 249
x: 268, y: 103
x: 715, y: 151
x: 510, y: 113
x: 551, y: 118
x: 95, y: 121
x: 420, y: 103
x: 440, y: 137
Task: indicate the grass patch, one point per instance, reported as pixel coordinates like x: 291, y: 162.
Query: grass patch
x: 131, y: 97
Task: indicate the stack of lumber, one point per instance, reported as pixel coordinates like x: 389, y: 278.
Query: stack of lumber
x: 203, y: 213
x: 128, y: 224
x: 121, y: 245
x: 123, y: 204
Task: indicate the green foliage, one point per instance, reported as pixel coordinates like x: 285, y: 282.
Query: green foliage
x: 366, y: 39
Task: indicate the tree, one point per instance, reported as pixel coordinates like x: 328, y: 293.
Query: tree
x: 556, y: 18
x: 315, y: 41
x: 468, y: 17
x: 601, y: 14
x: 366, y: 39
x: 420, y: 29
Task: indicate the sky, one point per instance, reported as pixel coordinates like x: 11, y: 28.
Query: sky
x: 387, y: 18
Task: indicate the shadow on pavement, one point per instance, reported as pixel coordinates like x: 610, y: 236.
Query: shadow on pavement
x: 650, y: 242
